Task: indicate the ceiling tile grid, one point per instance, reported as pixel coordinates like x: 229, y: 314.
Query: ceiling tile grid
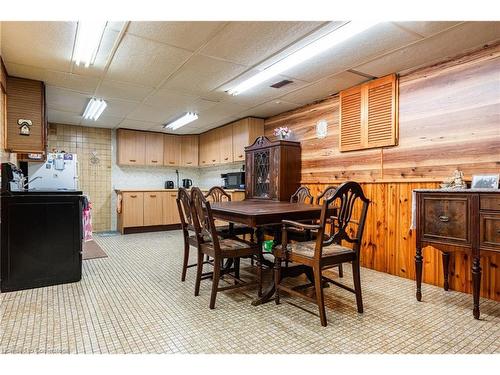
x: 152, y: 72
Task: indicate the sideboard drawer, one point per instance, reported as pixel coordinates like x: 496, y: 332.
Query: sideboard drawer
x: 446, y: 219
x: 489, y: 202
x: 490, y: 231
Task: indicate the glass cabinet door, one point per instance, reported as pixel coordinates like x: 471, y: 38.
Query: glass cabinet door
x: 261, y: 173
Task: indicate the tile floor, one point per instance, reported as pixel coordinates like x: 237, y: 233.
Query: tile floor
x: 133, y: 302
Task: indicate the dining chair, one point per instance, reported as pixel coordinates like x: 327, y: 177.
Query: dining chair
x: 324, y: 253
x: 183, y: 201
x: 327, y: 193
x: 218, y: 248
x: 302, y: 195
x: 217, y: 194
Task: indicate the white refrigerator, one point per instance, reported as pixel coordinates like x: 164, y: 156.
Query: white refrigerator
x: 59, y: 172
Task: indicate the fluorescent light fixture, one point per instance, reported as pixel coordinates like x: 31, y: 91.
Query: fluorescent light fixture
x: 181, y: 121
x: 327, y: 41
x: 94, y: 109
x: 88, y: 39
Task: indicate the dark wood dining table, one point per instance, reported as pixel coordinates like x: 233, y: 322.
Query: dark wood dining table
x: 259, y: 214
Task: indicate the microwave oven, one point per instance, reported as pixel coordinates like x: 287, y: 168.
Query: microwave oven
x: 234, y: 180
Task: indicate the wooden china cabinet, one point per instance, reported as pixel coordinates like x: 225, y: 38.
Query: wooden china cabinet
x: 272, y: 169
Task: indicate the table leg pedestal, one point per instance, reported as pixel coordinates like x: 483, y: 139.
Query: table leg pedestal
x: 446, y: 266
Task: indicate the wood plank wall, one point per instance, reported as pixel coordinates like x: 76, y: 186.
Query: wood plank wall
x: 449, y: 116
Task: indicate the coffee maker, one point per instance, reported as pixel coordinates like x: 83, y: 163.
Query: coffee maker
x: 187, y: 183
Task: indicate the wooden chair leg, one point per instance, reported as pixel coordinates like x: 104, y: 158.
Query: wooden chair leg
x: 318, y: 286
x: 236, y: 269
x: 341, y: 270
x: 357, y: 284
x: 277, y: 279
x: 215, y: 282
x: 186, y: 258
x: 259, y: 275
x: 199, y: 271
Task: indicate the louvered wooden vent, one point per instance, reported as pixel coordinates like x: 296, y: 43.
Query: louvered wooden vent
x: 368, y: 115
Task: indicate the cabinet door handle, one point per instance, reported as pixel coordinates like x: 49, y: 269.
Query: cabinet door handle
x: 152, y: 195
x: 132, y: 160
x: 171, y: 162
x: 213, y: 160
x: 189, y: 162
x: 133, y: 196
x: 154, y: 161
x: 240, y: 156
x: 444, y: 219
x: 226, y: 158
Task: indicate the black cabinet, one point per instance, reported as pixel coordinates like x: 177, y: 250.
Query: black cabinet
x: 41, y: 240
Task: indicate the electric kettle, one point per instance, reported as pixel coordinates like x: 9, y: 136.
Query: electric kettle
x: 186, y: 183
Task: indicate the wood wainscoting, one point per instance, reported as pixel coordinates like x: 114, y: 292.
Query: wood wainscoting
x: 389, y: 243
x: 448, y: 119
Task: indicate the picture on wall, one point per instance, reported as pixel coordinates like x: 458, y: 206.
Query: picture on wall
x: 485, y: 181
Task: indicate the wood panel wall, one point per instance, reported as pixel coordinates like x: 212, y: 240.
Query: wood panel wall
x: 449, y: 117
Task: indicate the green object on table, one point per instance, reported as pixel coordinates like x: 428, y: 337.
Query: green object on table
x: 268, y: 245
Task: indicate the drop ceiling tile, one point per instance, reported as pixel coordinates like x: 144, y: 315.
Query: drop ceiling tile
x: 260, y: 93
x: 201, y: 105
x: 66, y: 100
x: 375, y: 41
x: 248, y: 43
x: 42, y: 44
x: 145, y: 62
x: 427, y: 28
x: 103, y: 55
x: 120, y: 108
x: 219, y: 112
x: 169, y: 98
x: 459, y: 39
x: 202, y: 74
x: 187, y: 35
x: 104, y: 121
x: 60, y: 117
x: 25, y: 71
x: 122, y: 90
x: 138, y: 125
x: 323, y: 88
x: 145, y: 112
x: 269, y: 109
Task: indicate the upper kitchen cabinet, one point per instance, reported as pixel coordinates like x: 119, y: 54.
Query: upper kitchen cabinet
x: 204, y: 152
x: 154, y: 149
x: 26, y: 118
x: 172, y: 150
x: 189, y: 151
x: 131, y: 147
x: 225, y: 138
x: 245, y: 131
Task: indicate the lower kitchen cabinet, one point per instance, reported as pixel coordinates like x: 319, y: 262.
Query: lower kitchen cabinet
x: 170, y: 211
x: 132, y: 213
x: 150, y: 210
x: 153, y: 208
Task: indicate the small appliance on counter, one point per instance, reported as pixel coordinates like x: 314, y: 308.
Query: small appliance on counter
x: 12, y: 178
x: 59, y: 172
x: 233, y: 180
x: 169, y: 184
x: 187, y: 183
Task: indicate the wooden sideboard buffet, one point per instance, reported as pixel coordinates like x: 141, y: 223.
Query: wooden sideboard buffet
x: 451, y: 220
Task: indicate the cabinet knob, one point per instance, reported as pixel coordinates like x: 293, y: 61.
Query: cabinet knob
x: 444, y: 219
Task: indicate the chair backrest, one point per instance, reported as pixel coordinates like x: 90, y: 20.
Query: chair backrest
x: 302, y: 195
x: 203, y: 219
x: 327, y: 193
x: 217, y: 194
x: 183, y: 201
x: 344, y: 198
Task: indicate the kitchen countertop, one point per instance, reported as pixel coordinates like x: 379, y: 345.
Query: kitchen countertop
x: 118, y: 191
x: 449, y: 190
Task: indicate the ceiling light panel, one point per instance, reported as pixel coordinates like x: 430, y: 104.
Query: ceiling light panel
x: 95, y: 108
x: 336, y: 37
x: 185, y: 119
x: 88, y: 39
